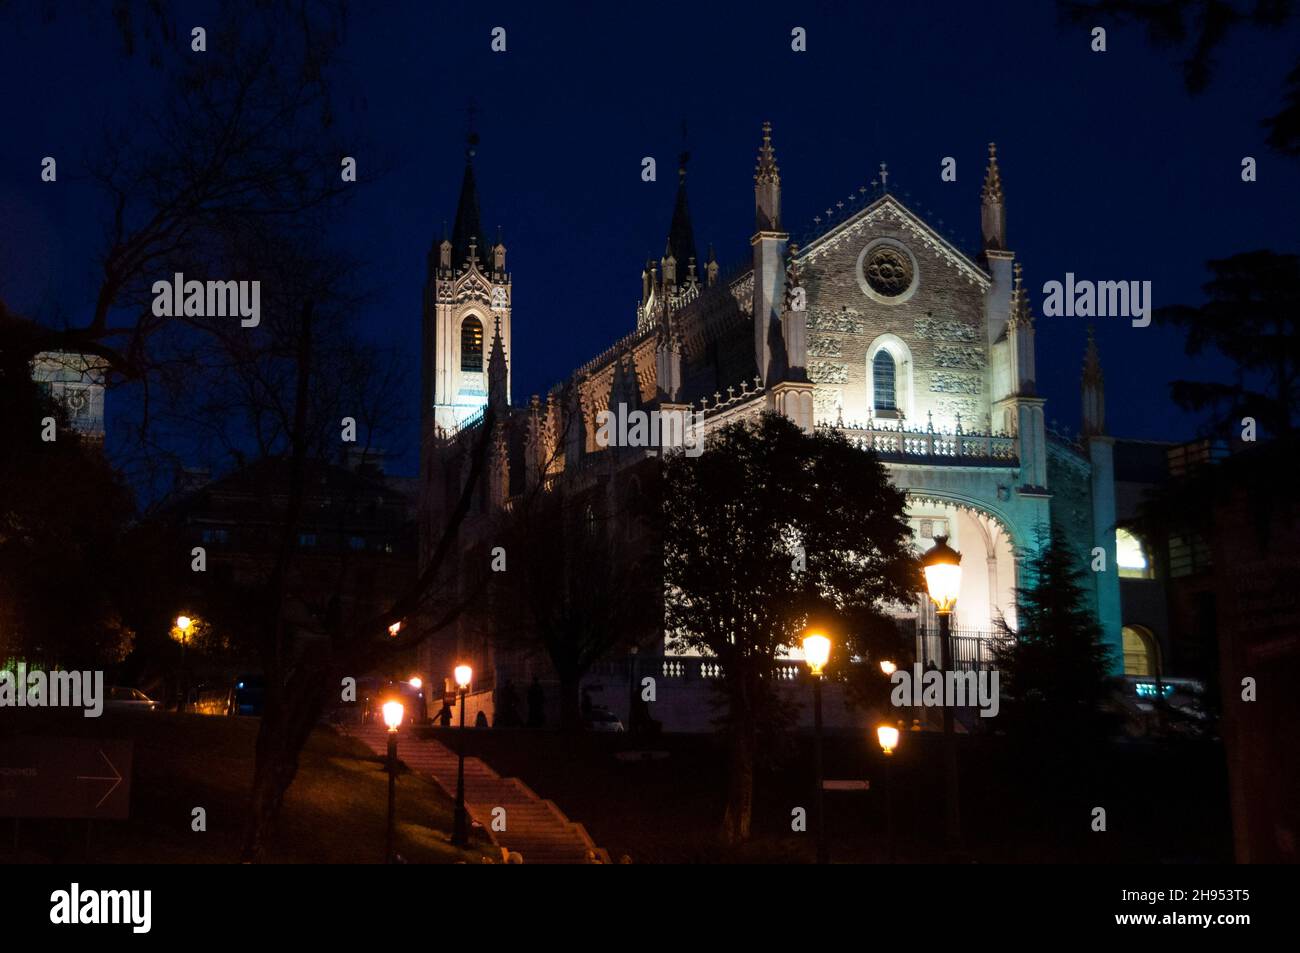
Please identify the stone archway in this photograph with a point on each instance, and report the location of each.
(991, 556)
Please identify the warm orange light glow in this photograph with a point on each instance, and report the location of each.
(888, 667)
(887, 735)
(183, 622)
(416, 682)
(464, 675)
(816, 651)
(942, 565)
(393, 712)
(395, 628)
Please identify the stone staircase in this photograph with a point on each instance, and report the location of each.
(534, 827)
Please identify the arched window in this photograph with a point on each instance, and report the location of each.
(1140, 651)
(884, 379)
(1131, 557)
(889, 379)
(471, 344)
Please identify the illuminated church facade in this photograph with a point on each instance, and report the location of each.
(877, 326)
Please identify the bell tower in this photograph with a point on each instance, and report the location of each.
(466, 300)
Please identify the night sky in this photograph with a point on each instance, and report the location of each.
(1111, 169)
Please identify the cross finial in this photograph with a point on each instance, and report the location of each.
(884, 176)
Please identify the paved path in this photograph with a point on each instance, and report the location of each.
(536, 828)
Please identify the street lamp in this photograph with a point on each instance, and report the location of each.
(887, 735)
(816, 652)
(460, 826)
(393, 712)
(942, 566)
(888, 667)
(183, 624)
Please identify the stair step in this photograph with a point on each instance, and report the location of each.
(534, 828)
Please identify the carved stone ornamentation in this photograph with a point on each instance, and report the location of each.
(958, 355)
(825, 347)
(934, 329)
(827, 372)
(819, 319)
(888, 271)
(828, 400)
(951, 383)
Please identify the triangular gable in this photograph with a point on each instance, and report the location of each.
(888, 208)
(472, 283)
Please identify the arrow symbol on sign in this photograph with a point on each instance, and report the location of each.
(116, 779)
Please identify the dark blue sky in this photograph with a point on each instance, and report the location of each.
(1111, 170)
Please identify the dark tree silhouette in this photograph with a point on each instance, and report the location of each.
(64, 518)
(1252, 317)
(1198, 29)
(233, 174)
(770, 529)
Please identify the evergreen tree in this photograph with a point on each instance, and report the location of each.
(1054, 666)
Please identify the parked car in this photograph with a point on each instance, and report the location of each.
(128, 699)
(601, 719)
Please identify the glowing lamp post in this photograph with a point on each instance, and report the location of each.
(816, 653)
(887, 735)
(460, 826)
(942, 566)
(888, 667)
(393, 713)
(183, 625)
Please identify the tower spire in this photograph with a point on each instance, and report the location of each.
(681, 236)
(993, 213)
(1093, 387)
(497, 370)
(767, 186)
(768, 245)
(467, 225)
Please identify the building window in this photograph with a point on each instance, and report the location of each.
(306, 539)
(1140, 652)
(356, 542)
(471, 345)
(884, 379)
(1131, 556)
(1188, 555)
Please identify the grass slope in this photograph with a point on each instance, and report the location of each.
(335, 812)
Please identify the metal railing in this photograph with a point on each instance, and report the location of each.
(972, 649)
